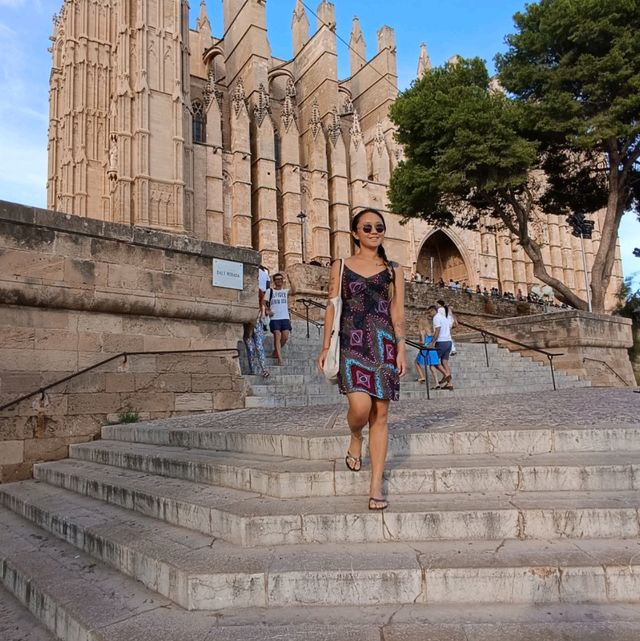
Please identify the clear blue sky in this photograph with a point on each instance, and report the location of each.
(466, 27)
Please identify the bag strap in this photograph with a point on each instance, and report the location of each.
(340, 280)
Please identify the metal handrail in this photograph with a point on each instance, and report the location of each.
(308, 302)
(317, 324)
(123, 355)
(597, 360)
(485, 333)
(421, 349)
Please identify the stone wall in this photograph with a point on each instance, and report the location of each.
(594, 346)
(141, 387)
(75, 291)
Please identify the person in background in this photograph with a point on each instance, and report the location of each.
(277, 300)
(253, 336)
(447, 311)
(441, 340)
(428, 358)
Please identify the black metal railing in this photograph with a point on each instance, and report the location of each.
(124, 356)
(613, 371)
(424, 351)
(310, 321)
(550, 355)
(308, 303)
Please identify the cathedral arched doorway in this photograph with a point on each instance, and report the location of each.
(440, 258)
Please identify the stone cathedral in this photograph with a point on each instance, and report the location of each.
(157, 125)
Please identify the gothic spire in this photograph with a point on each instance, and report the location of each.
(202, 23)
(357, 47)
(299, 27)
(424, 63)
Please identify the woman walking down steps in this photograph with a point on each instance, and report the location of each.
(372, 343)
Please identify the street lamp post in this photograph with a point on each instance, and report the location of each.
(302, 217)
(582, 228)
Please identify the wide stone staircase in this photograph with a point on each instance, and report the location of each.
(509, 520)
(298, 383)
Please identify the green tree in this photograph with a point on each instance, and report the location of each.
(564, 137)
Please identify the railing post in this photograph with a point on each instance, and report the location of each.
(486, 350)
(426, 372)
(306, 307)
(553, 376)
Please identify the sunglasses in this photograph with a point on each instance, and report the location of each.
(367, 228)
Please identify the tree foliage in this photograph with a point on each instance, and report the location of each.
(563, 136)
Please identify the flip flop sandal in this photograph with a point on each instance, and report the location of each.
(374, 504)
(357, 462)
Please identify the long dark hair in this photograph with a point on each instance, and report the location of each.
(446, 307)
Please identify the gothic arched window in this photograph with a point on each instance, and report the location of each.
(199, 130)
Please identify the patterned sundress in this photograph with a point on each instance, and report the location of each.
(367, 339)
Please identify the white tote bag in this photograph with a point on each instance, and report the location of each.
(332, 361)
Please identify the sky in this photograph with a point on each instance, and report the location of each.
(464, 27)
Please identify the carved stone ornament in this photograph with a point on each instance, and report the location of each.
(290, 90)
(263, 106)
(238, 98)
(209, 89)
(356, 130)
(334, 129)
(379, 138)
(288, 112)
(316, 121)
(112, 171)
(347, 107)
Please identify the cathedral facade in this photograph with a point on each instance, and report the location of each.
(157, 125)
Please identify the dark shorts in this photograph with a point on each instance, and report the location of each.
(444, 349)
(283, 325)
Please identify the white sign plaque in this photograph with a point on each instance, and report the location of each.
(227, 274)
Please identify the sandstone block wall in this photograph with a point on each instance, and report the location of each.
(75, 291)
(143, 387)
(594, 346)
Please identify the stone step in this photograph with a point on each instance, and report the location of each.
(427, 435)
(280, 376)
(319, 387)
(271, 401)
(306, 365)
(16, 622)
(44, 572)
(274, 400)
(199, 573)
(297, 478)
(250, 519)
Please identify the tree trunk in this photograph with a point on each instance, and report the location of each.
(532, 249)
(605, 257)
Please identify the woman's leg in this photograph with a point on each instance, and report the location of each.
(258, 339)
(378, 445)
(250, 346)
(421, 374)
(357, 418)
